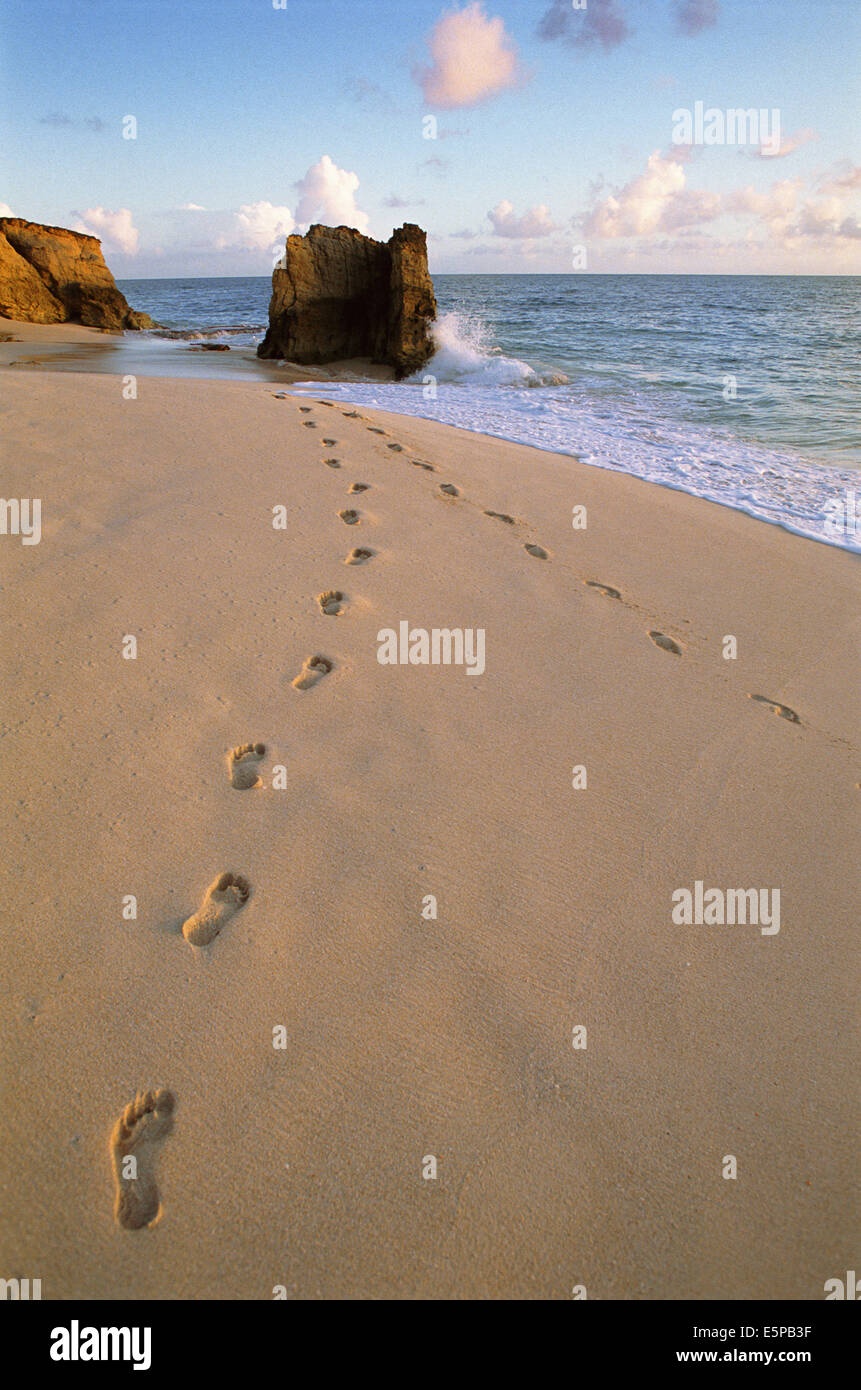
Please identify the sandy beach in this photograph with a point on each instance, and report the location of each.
(433, 908)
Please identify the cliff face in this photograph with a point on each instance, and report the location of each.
(52, 275)
(341, 294)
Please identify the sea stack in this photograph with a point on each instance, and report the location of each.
(53, 275)
(338, 294)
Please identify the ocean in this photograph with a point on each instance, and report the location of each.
(740, 389)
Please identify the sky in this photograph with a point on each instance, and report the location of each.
(587, 136)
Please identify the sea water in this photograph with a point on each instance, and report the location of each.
(740, 389)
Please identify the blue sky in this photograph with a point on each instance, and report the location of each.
(554, 130)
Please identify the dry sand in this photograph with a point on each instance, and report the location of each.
(407, 1037)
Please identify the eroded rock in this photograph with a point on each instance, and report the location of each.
(338, 294)
(53, 275)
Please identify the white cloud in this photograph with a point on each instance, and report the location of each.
(787, 144)
(534, 223)
(472, 56)
(328, 194)
(655, 201)
(259, 227)
(192, 207)
(5, 210)
(114, 229)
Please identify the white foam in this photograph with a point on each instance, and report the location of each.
(463, 354)
(775, 486)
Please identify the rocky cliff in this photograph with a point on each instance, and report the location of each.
(52, 275)
(339, 294)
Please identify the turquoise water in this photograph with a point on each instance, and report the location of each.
(743, 389)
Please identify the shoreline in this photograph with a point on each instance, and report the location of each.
(836, 521)
(410, 1035)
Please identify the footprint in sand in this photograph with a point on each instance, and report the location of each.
(330, 443)
(332, 463)
(665, 643)
(314, 668)
(243, 761)
(502, 516)
(349, 517)
(352, 415)
(144, 1123)
(358, 556)
(309, 424)
(375, 429)
(330, 602)
(359, 487)
(398, 448)
(222, 900)
(777, 708)
(449, 489)
(602, 588)
(305, 409)
(537, 550)
(417, 463)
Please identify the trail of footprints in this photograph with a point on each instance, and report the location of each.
(148, 1119)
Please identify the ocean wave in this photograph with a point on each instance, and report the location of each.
(463, 355)
(193, 334)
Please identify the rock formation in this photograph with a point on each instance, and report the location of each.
(52, 275)
(339, 294)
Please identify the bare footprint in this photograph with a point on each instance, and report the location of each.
(537, 550)
(222, 900)
(243, 761)
(330, 443)
(665, 643)
(398, 448)
(309, 424)
(375, 429)
(306, 409)
(348, 516)
(418, 463)
(449, 489)
(358, 556)
(777, 708)
(332, 463)
(314, 668)
(352, 415)
(330, 602)
(145, 1121)
(359, 487)
(502, 516)
(602, 588)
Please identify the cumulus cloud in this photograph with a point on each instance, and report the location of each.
(534, 223)
(114, 229)
(692, 16)
(5, 210)
(261, 226)
(601, 22)
(843, 179)
(787, 144)
(472, 56)
(328, 194)
(655, 201)
(192, 207)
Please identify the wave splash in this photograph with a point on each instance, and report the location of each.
(464, 355)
